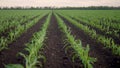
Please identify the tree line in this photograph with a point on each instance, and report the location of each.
(62, 8)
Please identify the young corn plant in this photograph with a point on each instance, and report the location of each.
(14, 66)
(3, 42)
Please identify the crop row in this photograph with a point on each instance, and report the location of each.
(102, 24)
(11, 19)
(15, 33)
(8, 25)
(33, 48)
(107, 31)
(107, 42)
(106, 22)
(81, 52)
(105, 18)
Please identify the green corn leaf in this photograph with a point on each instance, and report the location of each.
(14, 66)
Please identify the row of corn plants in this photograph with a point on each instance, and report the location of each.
(9, 25)
(81, 52)
(104, 21)
(10, 19)
(15, 33)
(107, 42)
(33, 48)
(106, 30)
(104, 18)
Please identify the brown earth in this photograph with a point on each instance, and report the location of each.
(54, 51)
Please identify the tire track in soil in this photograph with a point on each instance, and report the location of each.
(11, 55)
(53, 50)
(105, 59)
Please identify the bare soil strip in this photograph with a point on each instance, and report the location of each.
(105, 59)
(11, 55)
(54, 51)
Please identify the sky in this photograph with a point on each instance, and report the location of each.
(58, 3)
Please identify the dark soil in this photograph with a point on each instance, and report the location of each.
(11, 55)
(105, 59)
(54, 51)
